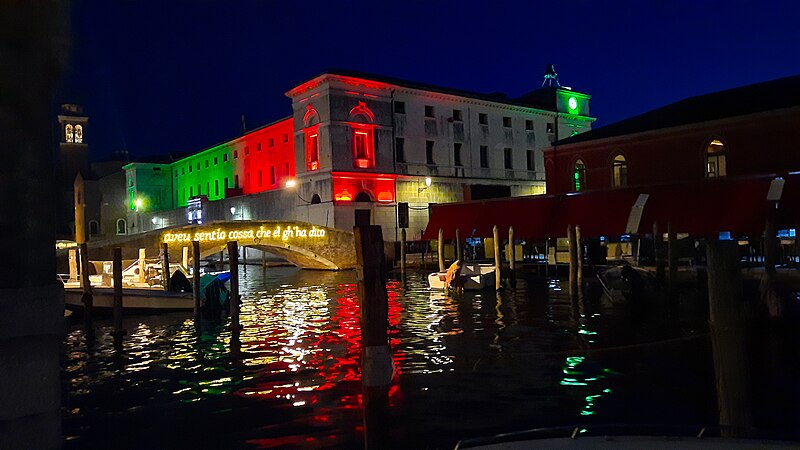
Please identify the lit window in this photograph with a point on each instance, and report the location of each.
(579, 175)
(619, 171)
(361, 151)
(312, 151)
(715, 159)
(69, 135)
(78, 134)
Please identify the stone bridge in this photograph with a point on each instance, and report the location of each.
(303, 244)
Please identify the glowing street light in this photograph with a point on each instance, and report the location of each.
(291, 183)
(138, 204)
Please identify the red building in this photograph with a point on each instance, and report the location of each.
(746, 131)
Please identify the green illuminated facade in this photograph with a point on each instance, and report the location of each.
(207, 173)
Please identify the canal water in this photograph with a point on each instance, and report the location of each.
(466, 366)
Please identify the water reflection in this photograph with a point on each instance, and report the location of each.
(471, 364)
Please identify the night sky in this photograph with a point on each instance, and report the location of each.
(161, 76)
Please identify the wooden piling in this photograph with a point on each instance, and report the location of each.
(440, 250)
(672, 256)
(573, 257)
(376, 358)
(512, 256)
(498, 265)
(86, 288)
(142, 265)
(403, 252)
(73, 264)
(263, 259)
(116, 268)
(165, 272)
(196, 278)
(547, 257)
(727, 318)
(185, 258)
(578, 260)
(233, 260)
(459, 249)
(244, 258)
(658, 251)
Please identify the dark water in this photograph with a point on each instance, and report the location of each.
(469, 366)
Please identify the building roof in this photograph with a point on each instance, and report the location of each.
(744, 100)
(544, 100)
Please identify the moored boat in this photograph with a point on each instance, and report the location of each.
(475, 276)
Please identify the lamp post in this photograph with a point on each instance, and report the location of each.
(427, 185)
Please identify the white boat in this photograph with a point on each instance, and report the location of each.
(133, 300)
(477, 277)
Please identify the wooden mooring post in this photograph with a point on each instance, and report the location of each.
(196, 279)
(233, 260)
(459, 249)
(658, 251)
(498, 264)
(377, 367)
(165, 272)
(578, 260)
(142, 265)
(512, 256)
(116, 270)
(727, 319)
(73, 264)
(403, 252)
(440, 250)
(573, 261)
(86, 287)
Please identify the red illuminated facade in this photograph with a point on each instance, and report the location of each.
(268, 157)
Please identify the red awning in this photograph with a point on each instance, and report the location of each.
(704, 209)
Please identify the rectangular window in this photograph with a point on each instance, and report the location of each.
(483, 119)
(429, 152)
(216, 188)
(457, 115)
(246, 150)
(271, 142)
(235, 154)
(531, 160)
(484, 157)
(260, 179)
(206, 163)
(400, 107)
(507, 122)
(457, 154)
(361, 145)
(199, 191)
(428, 111)
(190, 168)
(399, 150)
(285, 138)
(312, 152)
(198, 166)
(236, 181)
(191, 192)
(225, 156)
(258, 147)
(529, 125)
(508, 161)
(226, 183)
(216, 160)
(272, 175)
(551, 127)
(183, 170)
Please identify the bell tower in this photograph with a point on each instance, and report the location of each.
(73, 150)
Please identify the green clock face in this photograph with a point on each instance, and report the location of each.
(572, 103)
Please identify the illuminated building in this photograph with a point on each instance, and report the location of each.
(358, 145)
(740, 132)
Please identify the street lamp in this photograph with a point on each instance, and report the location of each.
(427, 185)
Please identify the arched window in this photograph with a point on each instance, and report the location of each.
(122, 226)
(68, 134)
(361, 120)
(94, 228)
(579, 176)
(78, 134)
(315, 199)
(715, 159)
(363, 197)
(619, 171)
(311, 132)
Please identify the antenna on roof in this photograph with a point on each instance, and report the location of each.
(550, 77)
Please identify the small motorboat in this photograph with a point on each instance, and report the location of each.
(476, 277)
(622, 283)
